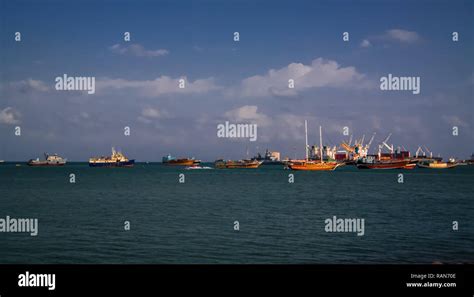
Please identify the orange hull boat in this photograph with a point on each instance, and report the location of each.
(315, 166)
(181, 162)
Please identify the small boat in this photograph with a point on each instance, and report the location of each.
(116, 160)
(197, 167)
(410, 166)
(437, 164)
(237, 164)
(50, 160)
(310, 164)
(169, 160)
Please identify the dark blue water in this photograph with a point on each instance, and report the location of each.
(194, 222)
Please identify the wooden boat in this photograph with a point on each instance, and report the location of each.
(437, 165)
(169, 160)
(311, 165)
(410, 166)
(314, 165)
(248, 164)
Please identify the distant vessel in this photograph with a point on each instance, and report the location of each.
(394, 159)
(306, 164)
(169, 160)
(435, 164)
(197, 167)
(237, 164)
(270, 158)
(421, 156)
(116, 160)
(49, 160)
(470, 161)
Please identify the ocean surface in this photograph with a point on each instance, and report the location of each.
(193, 222)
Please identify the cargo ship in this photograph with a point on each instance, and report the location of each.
(313, 165)
(169, 160)
(237, 164)
(116, 160)
(49, 160)
(394, 159)
(352, 153)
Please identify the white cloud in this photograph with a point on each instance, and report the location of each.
(28, 85)
(321, 73)
(154, 113)
(149, 114)
(365, 43)
(454, 120)
(403, 36)
(9, 116)
(248, 113)
(159, 86)
(392, 35)
(137, 50)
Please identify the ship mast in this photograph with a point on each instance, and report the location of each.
(321, 143)
(306, 139)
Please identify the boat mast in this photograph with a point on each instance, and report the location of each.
(306, 139)
(321, 143)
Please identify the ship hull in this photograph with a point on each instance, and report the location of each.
(129, 163)
(250, 166)
(181, 162)
(43, 164)
(386, 165)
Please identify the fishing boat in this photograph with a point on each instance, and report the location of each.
(49, 160)
(434, 164)
(246, 163)
(169, 160)
(116, 160)
(313, 165)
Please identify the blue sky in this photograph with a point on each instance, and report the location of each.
(405, 38)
